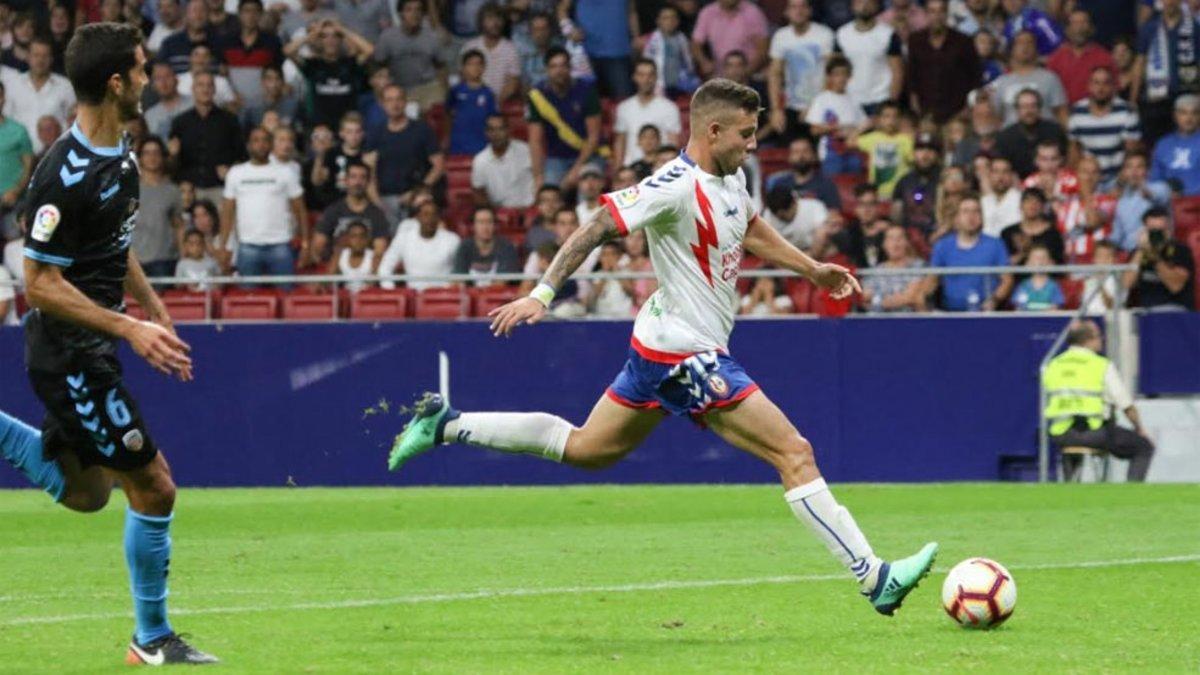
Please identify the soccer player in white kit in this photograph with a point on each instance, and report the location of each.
(698, 220)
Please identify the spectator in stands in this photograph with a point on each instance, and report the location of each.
(16, 160)
(1087, 216)
(987, 48)
(484, 253)
(905, 17)
(834, 116)
(1103, 126)
(875, 53)
(591, 186)
(671, 53)
(895, 292)
(177, 48)
(370, 103)
(318, 171)
(969, 247)
(943, 67)
(1022, 18)
(412, 52)
(638, 260)
(1001, 200)
(1056, 181)
(202, 216)
(502, 69)
(224, 95)
(16, 54)
(333, 67)
(355, 260)
(355, 207)
(157, 237)
(1104, 288)
(643, 108)
(625, 177)
(257, 194)
(245, 53)
(533, 49)
(196, 264)
(804, 177)
(1077, 59)
(277, 99)
(566, 222)
(564, 124)
(204, 141)
(735, 67)
(502, 173)
(283, 148)
(38, 92)
(295, 19)
(1038, 292)
(725, 26)
(889, 149)
(649, 140)
(767, 296)
(665, 154)
(170, 20)
(404, 152)
(952, 187)
(797, 72)
(369, 18)
(541, 227)
(1124, 59)
(170, 103)
(62, 29)
(1136, 196)
(608, 31)
(568, 303)
(1166, 273)
(469, 104)
(1167, 66)
(798, 220)
(860, 240)
(975, 16)
(422, 246)
(1177, 156)
(1019, 141)
(914, 200)
(1025, 74)
(224, 24)
(1035, 229)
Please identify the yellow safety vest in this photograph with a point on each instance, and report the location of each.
(1074, 384)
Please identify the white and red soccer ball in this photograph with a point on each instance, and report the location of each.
(979, 593)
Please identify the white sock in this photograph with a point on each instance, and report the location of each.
(814, 504)
(539, 434)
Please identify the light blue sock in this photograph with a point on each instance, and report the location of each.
(148, 554)
(21, 445)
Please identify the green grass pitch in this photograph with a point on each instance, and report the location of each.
(610, 579)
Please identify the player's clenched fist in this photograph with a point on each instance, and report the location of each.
(837, 279)
(524, 310)
(161, 349)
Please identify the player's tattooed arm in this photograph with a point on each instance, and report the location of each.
(578, 246)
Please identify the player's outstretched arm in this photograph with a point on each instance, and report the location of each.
(49, 292)
(763, 241)
(531, 308)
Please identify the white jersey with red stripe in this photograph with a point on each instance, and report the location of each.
(694, 224)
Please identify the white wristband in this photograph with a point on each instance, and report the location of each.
(543, 293)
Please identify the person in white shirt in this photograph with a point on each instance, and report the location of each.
(356, 260)
(698, 220)
(796, 75)
(170, 20)
(1109, 291)
(611, 298)
(201, 61)
(257, 197)
(8, 299)
(38, 92)
(14, 258)
(422, 246)
(1001, 197)
(502, 173)
(834, 116)
(644, 107)
(591, 184)
(875, 51)
(798, 220)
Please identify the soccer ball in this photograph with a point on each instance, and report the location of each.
(979, 593)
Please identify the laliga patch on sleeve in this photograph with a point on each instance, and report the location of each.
(627, 197)
(45, 222)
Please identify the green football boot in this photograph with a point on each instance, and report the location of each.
(897, 579)
(423, 432)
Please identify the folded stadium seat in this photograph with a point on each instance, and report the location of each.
(1185, 213)
(459, 164)
(801, 292)
(824, 304)
(186, 306)
(510, 223)
(381, 304)
(485, 299)
(1072, 290)
(306, 306)
(250, 305)
(441, 303)
(514, 113)
(772, 160)
(133, 309)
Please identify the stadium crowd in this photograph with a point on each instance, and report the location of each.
(362, 137)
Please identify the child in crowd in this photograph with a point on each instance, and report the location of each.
(1105, 253)
(834, 116)
(649, 140)
(611, 298)
(356, 260)
(1038, 292)
(668, 45)
(469, 103)
(889, 150)
(195, 263)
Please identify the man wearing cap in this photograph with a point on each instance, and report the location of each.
(914, 200)
(591, 186)
(1177, 156)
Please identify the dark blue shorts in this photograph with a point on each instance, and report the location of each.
(643, 383)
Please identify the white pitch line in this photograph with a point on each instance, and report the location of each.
(563, 590)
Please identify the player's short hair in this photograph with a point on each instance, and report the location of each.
(472, 54)
(719, 97)
(96, 53)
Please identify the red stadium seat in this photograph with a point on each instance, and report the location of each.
(1185, 212)
(1072, 290)
(308, 307)
(514, 113)
(439, 121)
(242, 305)
(186, 306)
(133, 309)
(378, 304)
(801, 292)
(484, 300)
(772, 160)
(441, 303)
(845, 184)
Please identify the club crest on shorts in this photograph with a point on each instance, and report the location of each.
(133, 440)
(45, 222)
(718, 385)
